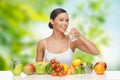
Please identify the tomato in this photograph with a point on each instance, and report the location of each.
(54, 73)
(64, 73)
(57, 65)
(62, 67)
(60, 74)
(52, 61)
(58, 69)
(53, 66)
(57, 62)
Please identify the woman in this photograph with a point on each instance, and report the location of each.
(58, 45)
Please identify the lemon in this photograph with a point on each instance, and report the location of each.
(76, 62)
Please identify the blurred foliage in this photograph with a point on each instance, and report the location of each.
(2, 63)
(16, 37)
(94, 11)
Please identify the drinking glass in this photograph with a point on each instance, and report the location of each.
(72, 38)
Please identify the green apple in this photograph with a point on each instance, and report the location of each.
(17, 69)
(41, 68)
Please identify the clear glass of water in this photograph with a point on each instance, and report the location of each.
(72, 38)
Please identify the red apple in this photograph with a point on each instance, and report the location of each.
(100, 67)
(29, 69)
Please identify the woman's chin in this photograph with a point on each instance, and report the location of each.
(63, 31)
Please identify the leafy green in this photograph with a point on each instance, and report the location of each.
(48, 68)
(79, 70)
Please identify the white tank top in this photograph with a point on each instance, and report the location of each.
(64, 57)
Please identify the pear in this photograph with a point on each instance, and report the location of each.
(16, 68)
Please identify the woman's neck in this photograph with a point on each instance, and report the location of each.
(58, 35)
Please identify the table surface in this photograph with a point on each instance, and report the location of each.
(108, 75)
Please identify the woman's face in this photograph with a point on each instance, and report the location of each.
(61, 22)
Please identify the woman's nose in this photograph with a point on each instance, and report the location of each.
(65, 23)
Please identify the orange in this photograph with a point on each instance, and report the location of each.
(100, 67)
(71, 69)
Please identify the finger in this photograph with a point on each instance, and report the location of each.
(72, 32)
(73, 29)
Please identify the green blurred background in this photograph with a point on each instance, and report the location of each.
(24, 22)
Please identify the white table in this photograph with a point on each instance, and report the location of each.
(108, 75)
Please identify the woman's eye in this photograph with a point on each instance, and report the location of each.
(61, 19)
(67, 20)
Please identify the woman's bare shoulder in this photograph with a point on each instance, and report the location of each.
(41, 44)
(42, 41)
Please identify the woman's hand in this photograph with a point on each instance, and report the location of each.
(75, 33)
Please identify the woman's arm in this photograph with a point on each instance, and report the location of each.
(87, 46)
(83, 44)
(40, 51)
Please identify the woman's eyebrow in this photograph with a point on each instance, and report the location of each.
(63, 18)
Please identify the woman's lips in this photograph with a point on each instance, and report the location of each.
(64, 28)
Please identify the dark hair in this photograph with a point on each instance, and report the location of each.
(54, 14)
